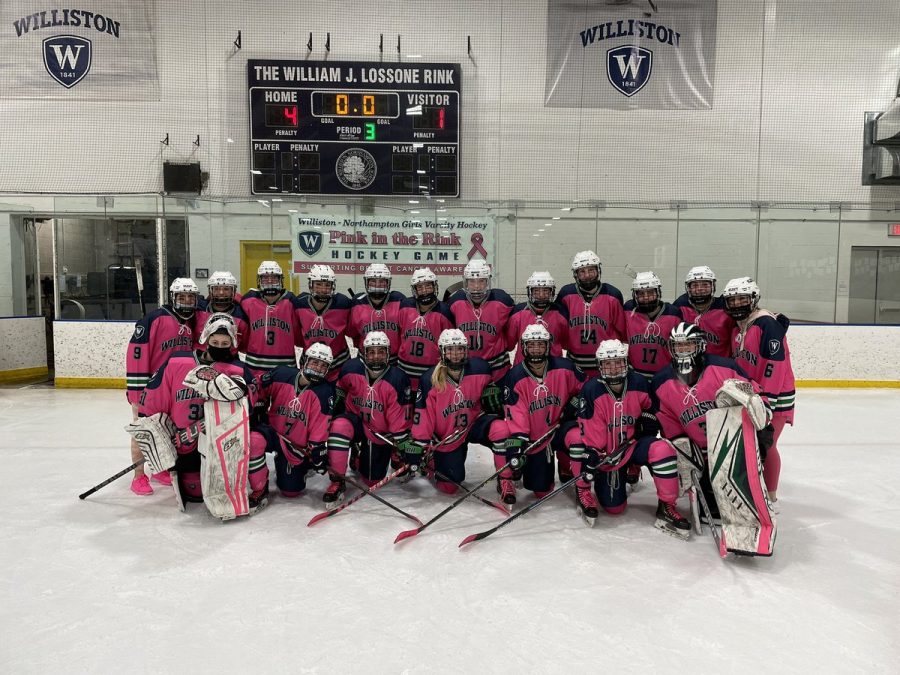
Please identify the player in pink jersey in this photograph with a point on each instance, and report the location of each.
(377, 309)
(481, 313)
(449, 402)
(166, 392)
(324, 314)
(540, 392)
(648, 323)
(157, 336)
(223, 298)
(299, 411)
(372, 396)
(761, 349)
(685, 391)
(699, 305)
(618, 429)
(274, 328)
(539, 308)
(422, 319)
(595, 311)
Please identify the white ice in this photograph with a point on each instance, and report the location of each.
(120, 583)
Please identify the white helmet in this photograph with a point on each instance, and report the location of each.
(582, 260)
(270, 268)
(215, 323)
(700, 273)
(540, 280)
(377, 271)
(646, 281)
(477, 269)
(316, 372)
(612, 361)
(226, 280)
(424, 275)
(376, 339)
(738, 288)
(686, 343)
(536, 332)
(321, 273)
(183, 286)
(222, 279)
(453, 337)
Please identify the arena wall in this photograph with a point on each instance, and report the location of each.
(23, 355)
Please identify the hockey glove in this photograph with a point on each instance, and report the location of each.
(492, 399)
(590, 462)
(647, 425)
(515, 454)
(765, 439)
(413, 452)
(318, 456)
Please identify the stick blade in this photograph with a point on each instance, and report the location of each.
(319, 516)
(471, 538)
(406, 534)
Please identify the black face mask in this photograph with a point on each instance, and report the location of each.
(429, 299)
(220, 353)
(588, 285)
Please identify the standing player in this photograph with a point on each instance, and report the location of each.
(299, 410)
(324, 313)
(274, 328)
(372, 396)
(422, 319)
(223, 298)
(618, 429)
(699, 305)
(449, 402)
(481, 313)
(541, 392)
(378, 309)
(648, 323)
(157, 336)
(595, 311)
(539, 308)
(761, 349)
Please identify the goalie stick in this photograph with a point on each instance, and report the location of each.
(111, 479)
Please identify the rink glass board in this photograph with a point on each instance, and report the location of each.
(354, 128)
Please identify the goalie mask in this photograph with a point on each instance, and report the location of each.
(376, 351)
(454, 348)
(686, 344)
(321, 283)
(220, 337)
(270, 278)
(741, 298)
(540, 288)
(612, 362)
(586, 270)
(477, 280)
(183, 295)
(535, 343)
(316, 362)
(222, 288)
(700, 285)
(646, 291)
(424, 285)
(377, 280)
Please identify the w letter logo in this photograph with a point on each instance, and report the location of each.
(67, 58)
(628, 68)
(310, 242)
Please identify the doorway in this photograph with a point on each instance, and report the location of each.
(254, 252)
(875, 285)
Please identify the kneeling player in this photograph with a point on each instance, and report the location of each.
(541, 393)
(618, 430)
(299, 410)
(182, 389)
(449, 412)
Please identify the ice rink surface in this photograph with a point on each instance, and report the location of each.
(125, 584)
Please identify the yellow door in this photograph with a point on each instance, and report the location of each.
(254, 252)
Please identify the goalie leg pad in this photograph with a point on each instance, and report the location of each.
(153, 436)
(738, 392)
(737, 482)
(225, 458)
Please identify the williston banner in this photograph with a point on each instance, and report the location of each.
(52, 50)
(404, 244)
(657, 54)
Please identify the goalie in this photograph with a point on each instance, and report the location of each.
(708, 403)
(195, 407)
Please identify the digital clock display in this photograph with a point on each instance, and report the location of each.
(354, 104)
(280, 115)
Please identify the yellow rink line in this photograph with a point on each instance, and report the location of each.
(23, 375)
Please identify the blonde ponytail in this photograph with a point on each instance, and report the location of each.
(439, 377)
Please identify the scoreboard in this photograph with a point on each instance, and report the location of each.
(339, 128)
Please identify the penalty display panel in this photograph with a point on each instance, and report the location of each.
(354, 128)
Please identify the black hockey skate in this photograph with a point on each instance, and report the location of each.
(334, 494)
(507, 491)
(671, 522)
(586, 504)
(257, 501)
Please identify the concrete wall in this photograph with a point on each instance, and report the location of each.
(23, 348)
(91, 353)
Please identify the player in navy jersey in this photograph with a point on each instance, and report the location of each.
(376, 309)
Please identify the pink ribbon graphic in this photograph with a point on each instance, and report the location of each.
(476, 240)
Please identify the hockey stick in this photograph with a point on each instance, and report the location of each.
(697, 463)
(488, 533)
(471, 493)
(365, 491)
(111, 479)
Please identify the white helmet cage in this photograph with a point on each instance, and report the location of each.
(453, 337)
(372, 340)
(536, 332)
(540, 280)
(321, 352)
(741, 287)
(700, 273)
(183, 286)
(609, 351)
(645, 281)
(269, 268)
(477, 269)
(377, 271)
(686, 334)
(321, 273)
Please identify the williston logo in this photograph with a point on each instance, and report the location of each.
(67, 58)
(310, 242)
(628, 68)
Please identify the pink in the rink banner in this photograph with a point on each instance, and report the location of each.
(404, 244)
